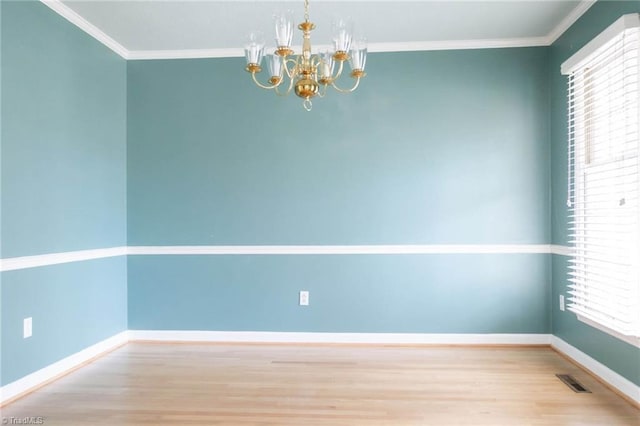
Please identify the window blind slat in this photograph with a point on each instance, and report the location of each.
(604, 184)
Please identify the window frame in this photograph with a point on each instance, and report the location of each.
(579, 63)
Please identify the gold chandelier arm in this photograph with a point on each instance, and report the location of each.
(322, 91)
(273, 86)
(279, 93)
(339, 73)
(315, 61)
(355, 86)
(290, 72)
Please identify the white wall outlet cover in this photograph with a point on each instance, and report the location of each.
(27, 328)
(562, 302)
(304, 298)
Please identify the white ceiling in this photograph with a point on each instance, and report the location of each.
(165, 28)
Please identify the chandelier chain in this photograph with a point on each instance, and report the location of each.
(306, 10)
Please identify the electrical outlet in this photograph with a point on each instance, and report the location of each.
(562, 302)
(27, 328)
(304, 298)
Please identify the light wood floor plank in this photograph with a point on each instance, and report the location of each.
(203, 384)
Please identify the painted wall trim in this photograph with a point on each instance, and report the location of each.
(569, 20)
(458, 44)
(112, 44)
(342, 249)
(621, 384)
(47, 374)
(561, 250)
(26, 262)
(337, 338)
(185, 54)
(413, 46)
(86, 26)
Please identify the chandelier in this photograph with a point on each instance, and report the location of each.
(306, 74)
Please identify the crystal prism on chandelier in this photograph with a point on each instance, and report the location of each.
(306, 74)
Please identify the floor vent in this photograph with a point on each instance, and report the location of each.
(572, 383)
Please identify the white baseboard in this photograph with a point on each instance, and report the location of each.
(38, 378)
(339, 338)
(623, 385)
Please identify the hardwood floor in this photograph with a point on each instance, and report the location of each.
(210, 384)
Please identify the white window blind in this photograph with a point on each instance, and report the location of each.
(604, 178)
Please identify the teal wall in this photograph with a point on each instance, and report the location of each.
(434, 148)
(443, 147)
(617, 355)
(1, 188)
(352, 293)
(73, 306)
(64, 135)
(63, 183)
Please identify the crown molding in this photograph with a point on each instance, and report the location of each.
(457, 44)
(568, 21)
(414, 46)
(185, 54)
(71, 16)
